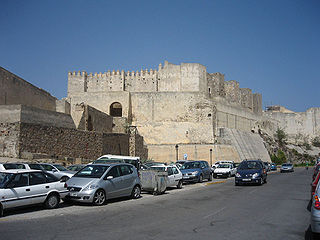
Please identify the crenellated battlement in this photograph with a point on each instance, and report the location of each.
(186, 77)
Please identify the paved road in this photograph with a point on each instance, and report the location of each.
(276, 210)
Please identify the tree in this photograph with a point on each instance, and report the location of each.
(316, 142)
(281, 136)
(280, 158)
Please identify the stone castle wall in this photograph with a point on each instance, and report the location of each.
(70, 142)
(300, 126)
(90, 119)
(15, 90)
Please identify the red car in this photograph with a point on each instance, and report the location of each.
(315, 171)
(314, 184)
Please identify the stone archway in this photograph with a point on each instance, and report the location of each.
(116, 109)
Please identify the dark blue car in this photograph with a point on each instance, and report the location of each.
(251, 171)
(196, 171)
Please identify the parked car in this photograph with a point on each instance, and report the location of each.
(267, 166)
(314, 184)
(96, 183)
(58, 170)
(20, 187)
(7, 166)
(315, 211)
(251, 171)
(287, 167)
(273, 167)
(224, 170)
(174, 175)
(315, 171)
(76, 167)
(215, 165)
(196, 171)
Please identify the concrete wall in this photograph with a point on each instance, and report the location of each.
(15, 90)
(248, 145)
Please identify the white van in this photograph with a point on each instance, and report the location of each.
(135, 161)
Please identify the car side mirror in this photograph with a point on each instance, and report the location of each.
(54, 170)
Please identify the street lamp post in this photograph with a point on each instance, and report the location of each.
(210, 157)
(177, 152)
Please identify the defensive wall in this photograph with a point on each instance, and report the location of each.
(299, 126)
(25, 129)
(15, 90)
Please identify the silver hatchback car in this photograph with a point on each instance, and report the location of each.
(20, 187)
(96, 183)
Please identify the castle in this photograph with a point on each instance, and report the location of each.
(173, 112)
(178, 109)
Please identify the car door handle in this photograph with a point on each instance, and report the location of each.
(28, 189)
(47, 186)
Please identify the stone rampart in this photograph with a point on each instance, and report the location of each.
(27, 114)
(70, 142)
(90, 119)
(15, 90)
(300, 126)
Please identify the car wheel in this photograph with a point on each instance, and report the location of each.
(265, 180)
(179, 186)
(210, 177)
(52, 201)
(136, 192)
(260, 181)
(229, 175)
(99, 198)
(214, 175)
(200, 180)
(236, 184)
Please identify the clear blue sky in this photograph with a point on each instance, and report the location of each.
(270, 46)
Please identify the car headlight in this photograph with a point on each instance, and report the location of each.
(238, 175)
(255, 175)
(195, 173)
(91, 187)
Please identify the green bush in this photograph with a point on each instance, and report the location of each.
(280, 158)
(281, 136)
(316, 142)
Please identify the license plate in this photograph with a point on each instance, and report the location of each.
(219, 174)
(246, 180)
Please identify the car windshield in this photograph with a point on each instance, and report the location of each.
(92, 171)
(190, 165)
(287, 165)
(60, 168)
(224, 166)
(4, 178)
(105, 160)
(75, 167)
(249, 165)
(11, 166)
(158, 168)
